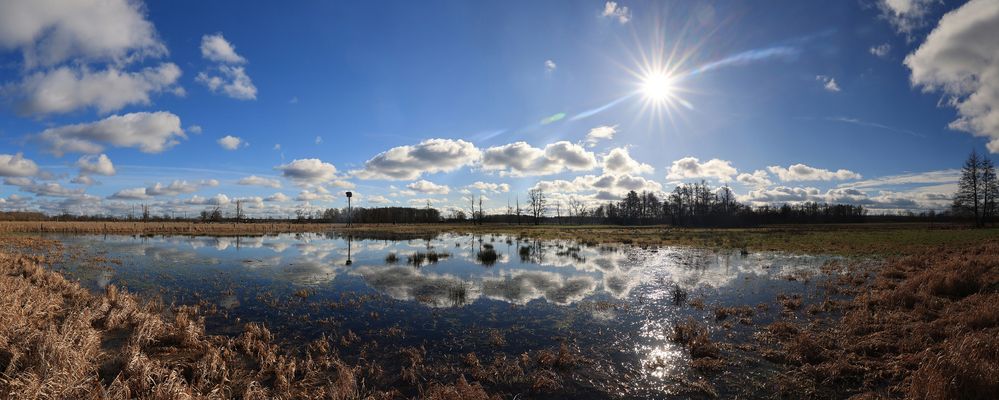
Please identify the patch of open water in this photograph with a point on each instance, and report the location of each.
(617, 304)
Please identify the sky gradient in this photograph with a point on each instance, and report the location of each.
(184, 105)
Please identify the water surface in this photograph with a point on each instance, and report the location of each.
(615, 304)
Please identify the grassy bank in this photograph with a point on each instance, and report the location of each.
(926, 328)
(845, 239)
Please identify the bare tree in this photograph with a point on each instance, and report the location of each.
(538, 203)
(990, 189)
(968, 198)
(482, 215)
(239, 211)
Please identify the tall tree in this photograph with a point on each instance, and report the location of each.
(990, 189)
(968, 199)
(538, 203)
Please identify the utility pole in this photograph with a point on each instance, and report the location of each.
(350, 214)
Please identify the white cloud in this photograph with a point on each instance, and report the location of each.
(619, 12)
(317, 194)
(602, 187)
(254, 180)
(424, 186)
(175, 188)
(828, 83)
(960, 58)
(50, 189)
(216, 200)
(599, 133)
(550, 66)
(130, 194)
(17, 166)
(52, 31)
(230, 142)
(66, 89)
(521, 159)
(377, 199)
(618, 161)
(758, 178)
(691, 167)
(309, 171)
(277, 197)
(216, 48)
(150, 132)
(319, 139)
(84, 180)
(802, 172)
(99, 165)
(195, 129)
(410, 162)
(880, 50)
(490, 187)
(906, 16)
(227, 76)
(230, 80)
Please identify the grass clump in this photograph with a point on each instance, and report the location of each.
(926, 327)
(487, 256)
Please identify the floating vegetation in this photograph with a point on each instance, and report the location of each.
(391, 258)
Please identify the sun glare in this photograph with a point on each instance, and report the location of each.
(657, 87)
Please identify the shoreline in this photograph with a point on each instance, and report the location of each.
(874, 239)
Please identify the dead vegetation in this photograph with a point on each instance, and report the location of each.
(926, 328)
(57, 340)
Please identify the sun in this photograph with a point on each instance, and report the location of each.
(657, 87)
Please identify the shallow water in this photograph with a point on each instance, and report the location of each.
(616, 304)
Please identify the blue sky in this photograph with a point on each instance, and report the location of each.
(187, 104)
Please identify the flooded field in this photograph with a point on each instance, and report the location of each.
(615, 320)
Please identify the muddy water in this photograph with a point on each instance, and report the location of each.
(615, 304)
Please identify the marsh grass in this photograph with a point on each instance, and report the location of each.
(487, 256)
(926, 327)
(57, 340)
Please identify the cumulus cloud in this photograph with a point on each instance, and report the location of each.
(411, 162)
(906, 16)
(521, 159)
(216, 200)
(309, 171)
(66, 89)
(490, 187)
(15, 165)
(277, 197)
(230, 142)
(619, 12)
(424, 186)
(758, 178)
(550, 66)
(175, 188)
(150, 132)
(601, 187)
(802, 172)
(98, 165)
(618, 161)
(828, 83)
(599, 133)
(49, 32)
(934, 197)
(254, 180)
(691, 168)
(229, 80)
(960, 58)
(50, 189)
(216, 48)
